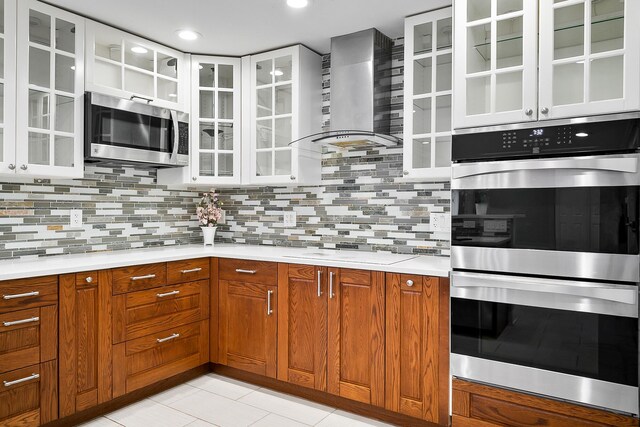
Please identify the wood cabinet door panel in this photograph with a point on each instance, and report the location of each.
(21, 294)
(247, 271)
(189, 270)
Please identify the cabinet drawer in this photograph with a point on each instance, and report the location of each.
(28, 293)
(187, 270)
(87, 278)
(238, 270)
(27, 337)
(146, 312)
(139, 277)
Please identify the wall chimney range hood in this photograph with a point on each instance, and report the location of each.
(360, 93)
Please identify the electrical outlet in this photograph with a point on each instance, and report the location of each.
(289, 219)
(75, 218)
(440, 222)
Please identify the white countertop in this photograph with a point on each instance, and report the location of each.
(375, 261)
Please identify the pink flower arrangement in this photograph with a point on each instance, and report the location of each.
(208, 210)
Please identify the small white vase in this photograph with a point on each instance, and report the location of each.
(481, 208)
(209, 234)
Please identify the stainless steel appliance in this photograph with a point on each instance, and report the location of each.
(122, 130)
(545, 244)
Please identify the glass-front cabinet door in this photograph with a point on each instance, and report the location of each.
(589, 57)
(7, 85)
(496, 62)
(427, 95)
(215, 120)
(50, 88)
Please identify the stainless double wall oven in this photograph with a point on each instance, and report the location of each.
(545, 236)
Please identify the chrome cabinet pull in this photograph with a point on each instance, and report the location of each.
(149, 100)
(409, 283)
(331, 295)
(12, 167)
(88, 279)
(148, 276)
(24, 167)
(544, 110)
(239, 270)
(167, 294)
(28, 294)
(528, 112)
(192, 270)
(21, 380)
(269, 310)
(20, 322)
(319, 285)
(169, 338)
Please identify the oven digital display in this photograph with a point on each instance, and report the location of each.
(537, 132)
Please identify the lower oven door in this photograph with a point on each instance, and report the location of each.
(570, 340)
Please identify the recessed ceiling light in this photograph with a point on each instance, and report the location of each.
(297, 4)
(276, 73)
(139, 49)
(582, 134)
(188, 35)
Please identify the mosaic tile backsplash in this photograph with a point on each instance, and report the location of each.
(362, 204)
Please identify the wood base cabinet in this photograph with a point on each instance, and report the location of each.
(477, 405)
(29, 396)
(417, 347)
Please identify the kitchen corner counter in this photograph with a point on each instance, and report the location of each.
(374, 261)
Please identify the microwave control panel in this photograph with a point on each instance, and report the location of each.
(183, 138)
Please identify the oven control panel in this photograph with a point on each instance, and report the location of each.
(548, 141)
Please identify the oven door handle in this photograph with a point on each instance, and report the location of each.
(608, 164)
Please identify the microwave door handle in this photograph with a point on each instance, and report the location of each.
(610, 164)
(176, 137)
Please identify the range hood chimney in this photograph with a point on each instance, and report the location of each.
(360, 92)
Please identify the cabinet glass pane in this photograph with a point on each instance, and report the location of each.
(207, 73)
(443, 152)
(283, 162)
(508, 6)
(207, 106)
(421, 153)
(167, 65)
(283, 131)
(1, 145)
(568, 35)
(509, 91)
(263, 72)
(568, 83)
(607, 25)
(606, 78)
(263, 163)
(138, 56)
(264, 133)
(422, 70)
(107, 74)
(1, 26)
(509, 46)
(64, 113)
(478, 92)
(1, 104)
(225, 164)
(38, 149)
(207, 136)
(39, 67)
(283, 69)
(108, 46)
(167, 90)
(478, 9)
(225, 76)
(1, 58)
(63, 151)
(423, 38)
(39, 28)
(225, 136)
(65, 73)
(421, 116)
(137, 82)
(479, 49)
(284, 99)
(207, 164)
(38, 109)
(264, 105)
(65, 36)
(444, 35)
(225, 105)
(443, 72)
(443, 113)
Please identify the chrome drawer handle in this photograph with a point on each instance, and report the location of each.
(169, 338)
(148, 276)
(269, 310)
(319, 283)
(167, 294)
(331, 294)
(409, 283)
(28, 294)
(192, 270)
(89, 279)
(20, 322)
(21, 380)
(239, 270)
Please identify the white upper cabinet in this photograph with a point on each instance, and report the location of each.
(7, 86)
(126, 66)
(589, 57)
(495, 77)
(283, 104)
(427, 95)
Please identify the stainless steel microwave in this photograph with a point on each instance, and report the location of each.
(126, 131)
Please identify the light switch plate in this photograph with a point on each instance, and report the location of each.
(289, 219)
(75, 218)
(440, 222)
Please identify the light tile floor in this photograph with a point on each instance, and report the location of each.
(213, 400)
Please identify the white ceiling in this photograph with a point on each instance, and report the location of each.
(240, 27)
